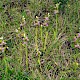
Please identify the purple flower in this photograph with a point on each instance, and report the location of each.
(46, 18)
(2, 49)
(78, 35)
(2, 43)
(45, 24)
(25, 43)
(77, 46)
(37, 23)
(56, 11)
(26, 38)
(75, 39)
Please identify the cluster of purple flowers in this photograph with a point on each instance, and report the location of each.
(44, 23)
(25, 40)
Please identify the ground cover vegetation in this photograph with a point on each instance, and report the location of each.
(39, 39)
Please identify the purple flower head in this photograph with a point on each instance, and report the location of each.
(75, 39)
(37, 23)
(56, 11)
(25, 43)
(46, 18)
(2, 43)
(45, 24)
(78, 35)
(77, 46)
(2, 49)
(26, 38)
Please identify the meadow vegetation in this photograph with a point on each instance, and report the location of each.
(39, 39)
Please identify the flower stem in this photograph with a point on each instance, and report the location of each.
(45, 40)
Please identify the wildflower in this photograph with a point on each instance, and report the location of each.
(24, 43)
(56, 11)
(26, 39)
(77, 63)
(37, 23)
(57, 5)
(48, 14)
(78, 36)
(2, 49)
(45, 24)
(46, 18)
(69, 5)
(22, 23)
(1, 38)
(77, 46)
(75, 39)
(2, 43)
(23, 19)
(3, 46)
(16, 30)
(24, 34)
(37, 17)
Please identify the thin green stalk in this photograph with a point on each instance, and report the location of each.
(26, 50)
(6, 67)
(38, 52)
(45, 40)
(41, 32)
(20, 53)
(36, 38)
(56, 24)
(39, 60)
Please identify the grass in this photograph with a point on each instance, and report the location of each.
(40, 40)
